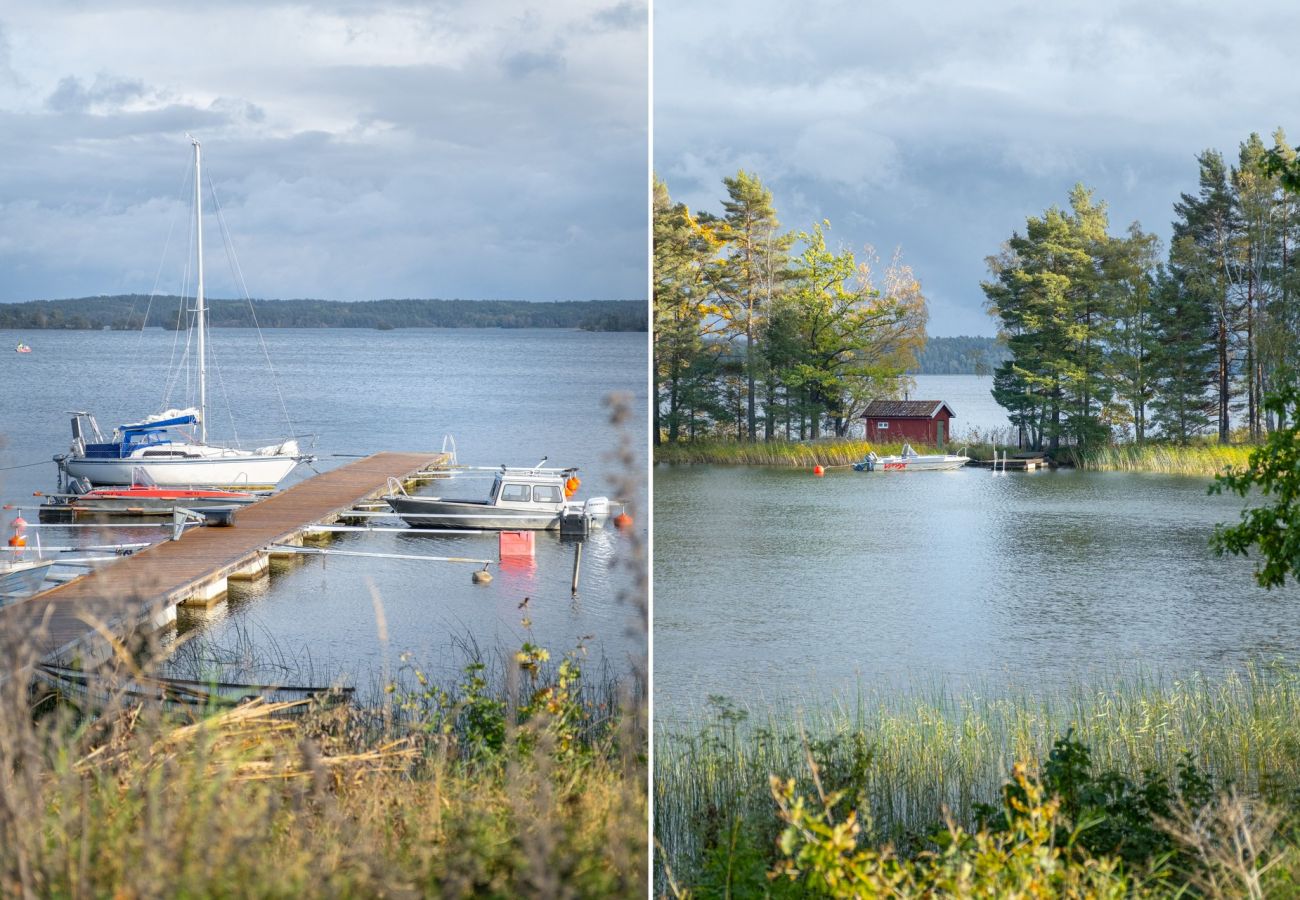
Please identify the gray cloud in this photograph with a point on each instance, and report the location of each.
(940, 126)
(106, 93)
(626, 16)
(525, 63)
(358, 150)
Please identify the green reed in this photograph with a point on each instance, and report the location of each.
(1169, 459)
(909, 757)
(792, 454)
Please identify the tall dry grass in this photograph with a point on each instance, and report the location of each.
(469, 789)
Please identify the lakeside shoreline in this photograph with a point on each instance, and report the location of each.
(1167, 459)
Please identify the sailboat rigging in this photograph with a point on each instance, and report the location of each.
(164, 447)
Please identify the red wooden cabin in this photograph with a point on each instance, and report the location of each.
(923, 421)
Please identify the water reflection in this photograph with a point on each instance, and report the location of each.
(769, 583)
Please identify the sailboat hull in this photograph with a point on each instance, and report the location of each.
(245, 472)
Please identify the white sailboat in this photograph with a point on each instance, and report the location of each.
(172, 447)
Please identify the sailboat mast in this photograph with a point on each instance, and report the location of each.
(199, 309)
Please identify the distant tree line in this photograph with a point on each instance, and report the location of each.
(762, 334)
(963, 355)
(130, 311)
(1111, 338)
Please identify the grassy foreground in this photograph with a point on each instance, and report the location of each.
(445, 792)
(1141, 796)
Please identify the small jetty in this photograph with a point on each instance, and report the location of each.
(1021, 462)
(81, 620)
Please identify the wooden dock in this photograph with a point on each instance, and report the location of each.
(142, 591)
(1012, 464)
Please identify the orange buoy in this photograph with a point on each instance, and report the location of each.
(19, 526)
(622, 521)
(818, 470)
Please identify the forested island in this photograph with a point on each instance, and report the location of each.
(961, 355)
(133, 311)
(1105, 339)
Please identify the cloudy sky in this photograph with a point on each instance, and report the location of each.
(360, 150)
(938, 127)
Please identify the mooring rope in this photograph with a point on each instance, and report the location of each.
(24, 465)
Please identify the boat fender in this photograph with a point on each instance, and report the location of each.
(571, 486)
(622, 521)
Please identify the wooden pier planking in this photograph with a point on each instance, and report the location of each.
(148, 585)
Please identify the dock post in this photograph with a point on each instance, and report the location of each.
(577, 564)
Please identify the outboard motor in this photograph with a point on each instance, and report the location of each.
(597, 510)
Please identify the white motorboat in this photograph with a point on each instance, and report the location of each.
(520, 499)
(21, 577)
(911, 461)
(172, 447)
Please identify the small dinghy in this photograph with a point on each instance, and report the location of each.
(141, 498)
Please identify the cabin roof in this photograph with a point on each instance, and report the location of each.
(906, 409)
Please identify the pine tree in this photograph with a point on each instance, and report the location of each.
(1185, 359)
(1129, 271)
(749, 274)
(682, 248)
(1053, 307)
(1204, 237)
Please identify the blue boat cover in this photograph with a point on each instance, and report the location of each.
(129, 431)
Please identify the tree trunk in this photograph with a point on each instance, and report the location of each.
(751, 417)
(1252, 410)
(769, 412)
(1222, 346)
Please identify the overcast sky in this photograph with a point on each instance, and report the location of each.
(360, 150)
(938, 127)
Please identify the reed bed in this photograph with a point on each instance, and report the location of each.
(790, 454)
(911, 757)
(1169, 459)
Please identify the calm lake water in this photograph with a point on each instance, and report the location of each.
(506, 396)
(774, 586)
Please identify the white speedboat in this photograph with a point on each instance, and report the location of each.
(519, 500)
(172, 447)
(911, 461)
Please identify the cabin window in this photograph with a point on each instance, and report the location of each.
(546, 493)
(167, 453)
(882, 425)
(516, 493)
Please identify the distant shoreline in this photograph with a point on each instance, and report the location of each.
(131, 312)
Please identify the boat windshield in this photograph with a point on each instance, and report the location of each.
(546, 493)
(516, 493)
